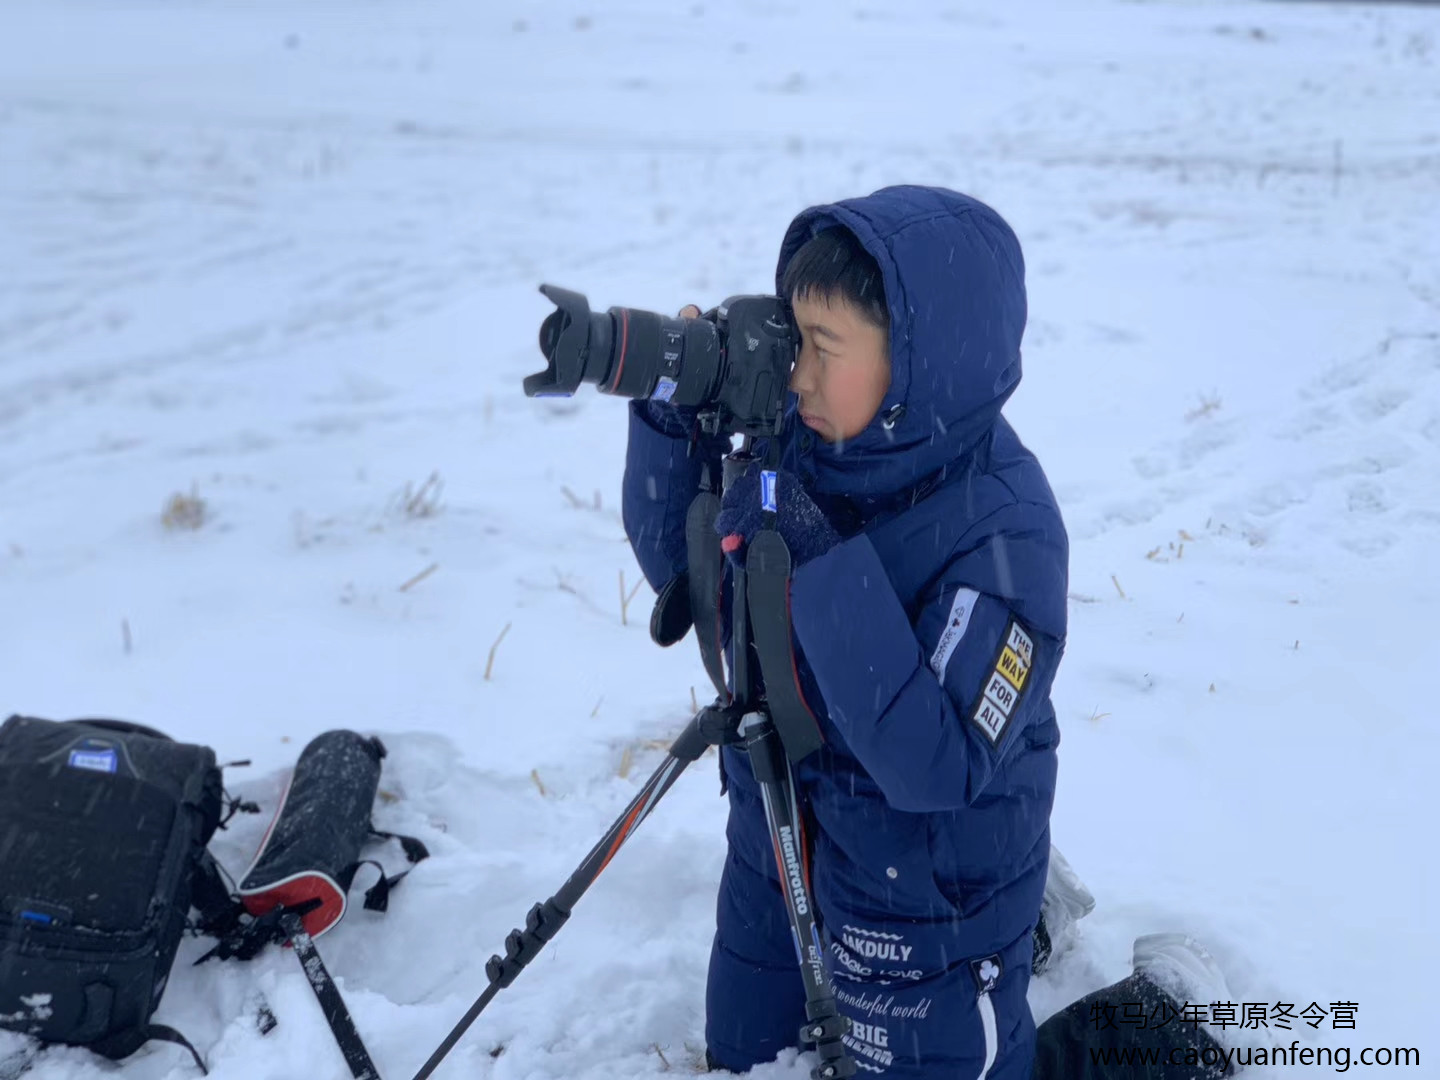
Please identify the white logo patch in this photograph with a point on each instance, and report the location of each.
(961, 608)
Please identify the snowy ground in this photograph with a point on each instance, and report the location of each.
(284, 255)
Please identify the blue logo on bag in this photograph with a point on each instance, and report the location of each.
(767, 489)
(96, 760)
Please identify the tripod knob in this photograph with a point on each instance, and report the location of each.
(826, 1028)
(835, 1069)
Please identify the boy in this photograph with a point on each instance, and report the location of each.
(928, 602)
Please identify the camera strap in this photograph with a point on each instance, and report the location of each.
(767, 573)
(706, 572)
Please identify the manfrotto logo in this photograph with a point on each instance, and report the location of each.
(792, 870)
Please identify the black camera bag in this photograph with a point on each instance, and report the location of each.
(103, 827)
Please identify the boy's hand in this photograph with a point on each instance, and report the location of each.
(801, 524)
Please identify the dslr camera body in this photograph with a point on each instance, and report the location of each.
(732, 364)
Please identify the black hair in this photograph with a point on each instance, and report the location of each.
(833, 264)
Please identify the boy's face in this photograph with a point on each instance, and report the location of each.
(843, 370)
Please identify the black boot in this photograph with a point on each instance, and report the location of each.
(1092, 1040)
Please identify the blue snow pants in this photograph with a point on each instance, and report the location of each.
(919, 1009)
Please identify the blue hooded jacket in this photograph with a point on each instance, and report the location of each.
(928, 639)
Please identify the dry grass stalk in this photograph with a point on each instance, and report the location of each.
(1209, 403)
(577, 503)
(490, 663)
(1118, 589)
(627, 759)
(421, 576)
(185, 511)
(625, 600)
(424, 501)
(535, 775)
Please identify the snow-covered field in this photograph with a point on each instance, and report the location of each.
(284, 257)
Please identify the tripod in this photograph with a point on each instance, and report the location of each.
(774, 732)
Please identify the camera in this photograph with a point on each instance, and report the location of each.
(732, 364)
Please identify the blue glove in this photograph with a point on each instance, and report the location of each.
(677, 421)
(801, 524)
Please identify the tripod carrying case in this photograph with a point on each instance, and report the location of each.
(311, 853)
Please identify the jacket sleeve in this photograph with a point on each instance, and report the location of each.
(661, 478)
(931, 701)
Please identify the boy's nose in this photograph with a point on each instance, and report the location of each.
(801, 380)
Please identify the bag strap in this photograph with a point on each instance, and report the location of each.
(331, 1003)
(245, 940)
(210, 894)
(377, 897)
(168, 1034)
(415, 851)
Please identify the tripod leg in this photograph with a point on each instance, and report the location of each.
(754, 999)
(825, 1025)
(544, 921)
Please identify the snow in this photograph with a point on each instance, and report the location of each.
(285, 256)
